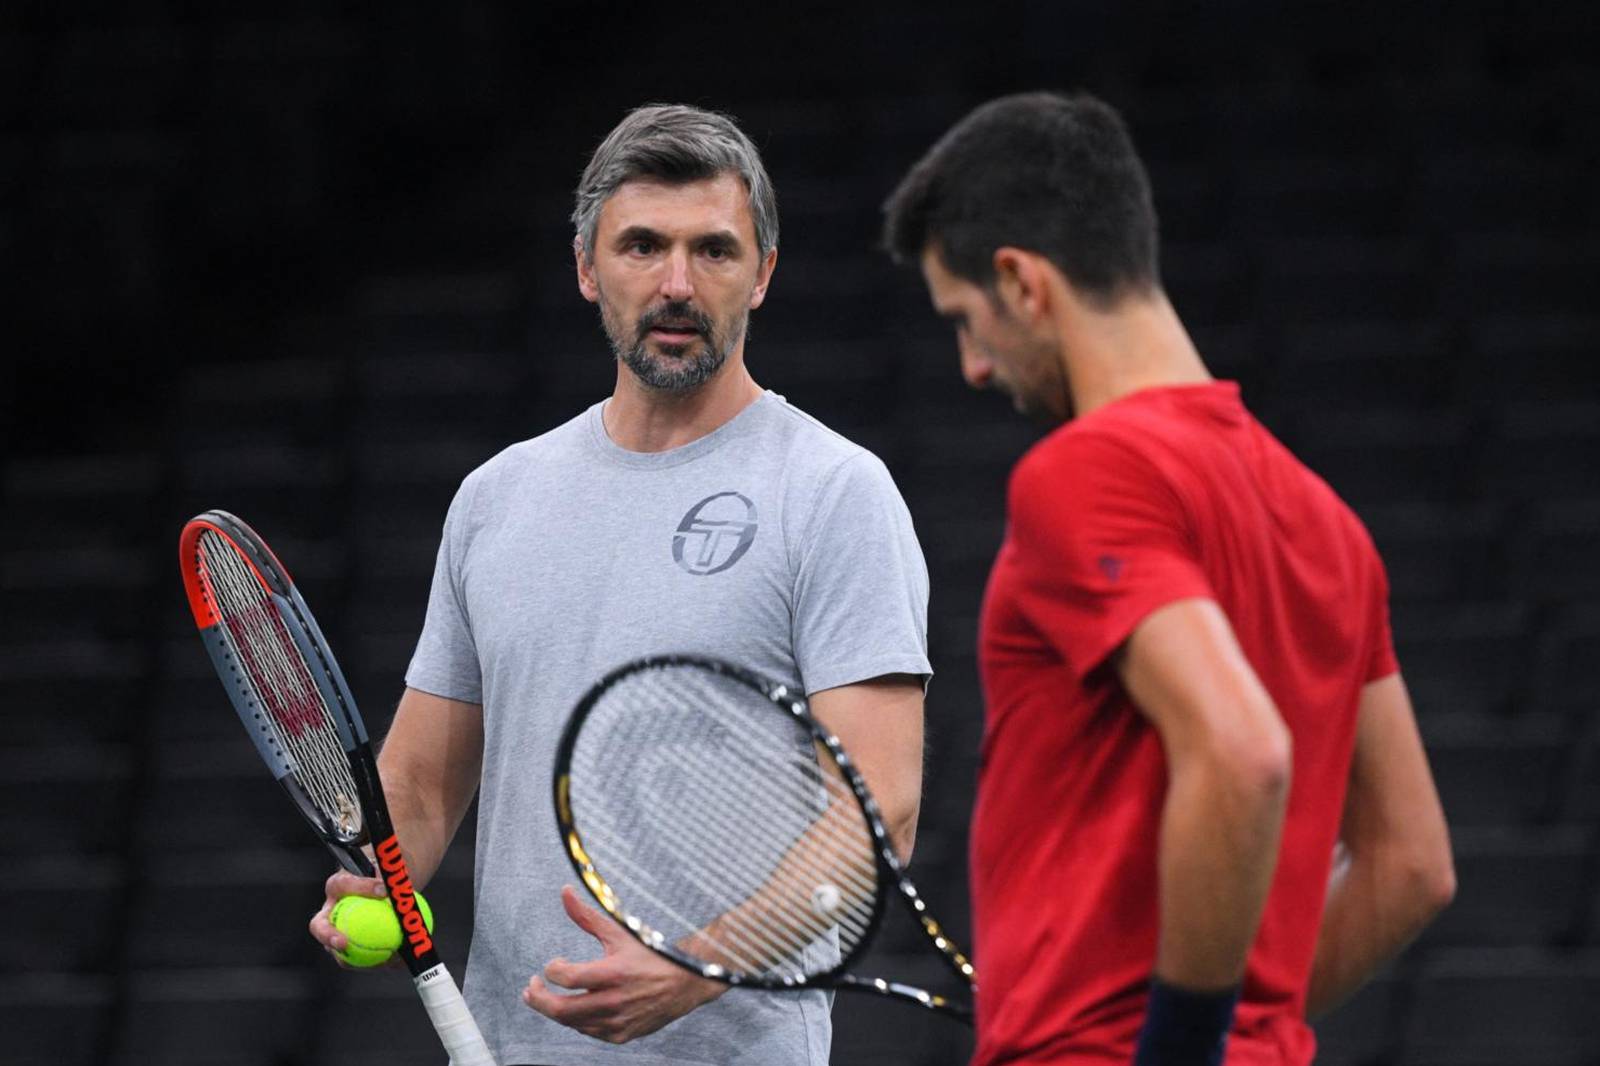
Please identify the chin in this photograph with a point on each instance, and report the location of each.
(1039, 411)
(678, 352)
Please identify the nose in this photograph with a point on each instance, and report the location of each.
(976, 367)
(676, 284)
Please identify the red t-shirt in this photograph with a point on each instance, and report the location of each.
(1166, 494)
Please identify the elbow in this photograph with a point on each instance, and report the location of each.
(1429, 869)
(1422, 882)
(1434, 884)
(903, 835)
(1442, 891)
(1248, 772)
(1264, 765)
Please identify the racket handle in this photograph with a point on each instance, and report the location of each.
(454, 1023)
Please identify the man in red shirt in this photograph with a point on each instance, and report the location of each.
(1193, 703)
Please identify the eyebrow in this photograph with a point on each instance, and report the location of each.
(726, 238)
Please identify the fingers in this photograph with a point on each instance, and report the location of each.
(592, 921)
(624, 1000)
(584, 976)
(592, 1013)
(574, 1009)
(338, 886)
(627, 993)
(550, 1004)
(342, 883)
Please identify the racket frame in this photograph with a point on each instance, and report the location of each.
(891, 871)
(437, 988)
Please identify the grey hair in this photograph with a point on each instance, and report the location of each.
(674, 143)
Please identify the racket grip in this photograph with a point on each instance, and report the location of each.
(451, 1019)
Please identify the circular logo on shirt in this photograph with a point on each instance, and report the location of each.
(715, 533)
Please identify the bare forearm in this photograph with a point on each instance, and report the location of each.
(1219, 847)
(1229, 760)
(424, 828)
(880, 724)
(1394, 870)
(1376, 905)
(430, 764)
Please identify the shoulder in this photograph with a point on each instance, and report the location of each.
(1360, 544)
(503, 475)
(816, 456)
(1080, 456)
(515, 460)
(1160, 439)
(810, 442)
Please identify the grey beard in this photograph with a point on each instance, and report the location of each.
(680, 375)
(691, 365)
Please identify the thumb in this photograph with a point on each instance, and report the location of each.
(590, 920)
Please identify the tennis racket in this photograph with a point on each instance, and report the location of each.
(297, 708)
(709, 813)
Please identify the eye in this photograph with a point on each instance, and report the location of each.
(641, 247)
(716, 252)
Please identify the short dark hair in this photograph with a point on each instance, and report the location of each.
(1052, 173)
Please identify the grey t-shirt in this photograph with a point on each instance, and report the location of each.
(772, 542)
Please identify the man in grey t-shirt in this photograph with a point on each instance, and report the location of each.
(691, 511)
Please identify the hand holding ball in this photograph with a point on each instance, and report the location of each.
(370, 926)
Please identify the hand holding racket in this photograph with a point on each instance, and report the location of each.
(710, 814)
(295, 705)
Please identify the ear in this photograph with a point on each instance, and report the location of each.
(1021, 282)
(587, 284)
(769, 263)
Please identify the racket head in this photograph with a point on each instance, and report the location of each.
(296, 706)
(683, 783)
(281, 678)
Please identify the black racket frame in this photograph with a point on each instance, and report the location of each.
(787, 700)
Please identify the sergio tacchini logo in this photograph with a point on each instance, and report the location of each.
(715, 533)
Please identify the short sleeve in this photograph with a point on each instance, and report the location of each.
(861, 585)
(446, 660)
(1383, 660)
(1100, 541)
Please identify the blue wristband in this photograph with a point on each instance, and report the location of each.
(1183, 1028)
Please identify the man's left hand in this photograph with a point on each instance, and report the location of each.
(628, 992)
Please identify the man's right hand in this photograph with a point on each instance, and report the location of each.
(338, 886)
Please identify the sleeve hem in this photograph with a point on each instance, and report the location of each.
(444, 689)
(854, 673)
(1115, 634)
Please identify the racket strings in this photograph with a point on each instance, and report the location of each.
(814, 804)
(756, 868)
(795, 895)
(836, 843)
(742, 939)
(832, 858)
(296, 712)
(764, 750)
(825, 849)
(739, 948)
(708, 811)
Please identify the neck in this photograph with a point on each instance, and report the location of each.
(642, 419)
(1138, 344)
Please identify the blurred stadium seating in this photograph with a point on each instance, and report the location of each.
(336, 244)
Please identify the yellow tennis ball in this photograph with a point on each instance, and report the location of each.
(371, 928)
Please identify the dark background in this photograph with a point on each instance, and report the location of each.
(329, 242)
